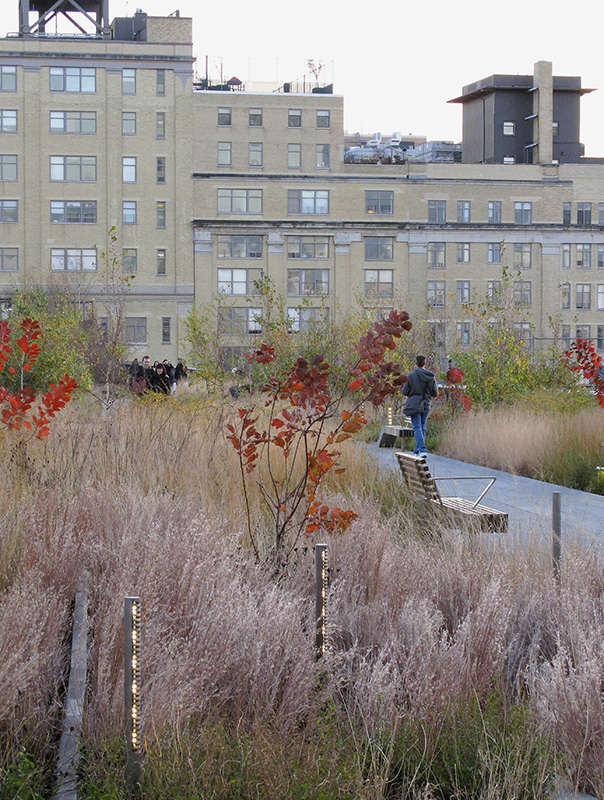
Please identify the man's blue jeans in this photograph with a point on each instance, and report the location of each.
(418, 421)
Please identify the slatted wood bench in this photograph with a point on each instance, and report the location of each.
(453, 510)
(391, 432)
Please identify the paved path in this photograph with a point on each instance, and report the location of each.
(527, 501)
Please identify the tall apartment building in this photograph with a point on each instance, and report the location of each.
(208, 190)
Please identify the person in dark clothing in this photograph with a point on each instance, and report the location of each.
(160, 380)
(180, 371)
(170, 371)
(420, 388)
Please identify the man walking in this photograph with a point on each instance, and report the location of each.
(420, 389)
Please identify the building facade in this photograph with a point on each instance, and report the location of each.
(110, 155)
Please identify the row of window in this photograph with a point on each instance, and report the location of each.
(255, 117)
(583, 296)
(255, 155)
(135, 329)
(81, 122)
(78, 259)
(66, 212)
(81, 169)
(81, 80)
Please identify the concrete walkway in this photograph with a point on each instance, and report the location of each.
(528, 502)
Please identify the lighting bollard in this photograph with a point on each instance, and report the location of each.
(132, 695)
(389, 416)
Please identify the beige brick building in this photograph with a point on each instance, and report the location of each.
(207, 190)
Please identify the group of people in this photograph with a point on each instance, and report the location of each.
(162, 376)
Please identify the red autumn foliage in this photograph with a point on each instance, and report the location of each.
(455, 375)
(18, 412)
(301, 405)
(582, 357)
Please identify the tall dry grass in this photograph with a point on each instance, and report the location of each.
(147, 503)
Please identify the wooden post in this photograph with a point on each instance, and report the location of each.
(132, 636)
(321, 587)
(556, 535)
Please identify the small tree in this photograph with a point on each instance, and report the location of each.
(581, 357)
(297, 443)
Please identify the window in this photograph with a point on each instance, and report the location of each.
(583, 296)
(8, 79)
(565, 256)
(73, 79)
(72, 260)
(238, 281)
(566, 211)
(436, 254)
(463, 210)
(316, 247)
(129, 212)
(584, 256)
(322, 156)
(436, 333)
(73, 168)
(378, 248)
(135, 330)
(494, 253)
(254, 154)
(494, 293)
(463, 253)
(8, 168)
(307, 282)
(509, 128)
(437, 211)
(294, 118)
(379, 202)
(8, 120)
(128, 81)
(583, 213)
(600, 337)
(224, 116)
(160, 169)
(509, 160)
(379, 283)
(160, 261)
(565, 335)
(435, 293)
(240, 201)
(494, 212)
(522, 256)
(9, 259)
(463, 293)
(239, 320)
(160, 214)
(129, 261)
(224, 154)
(9, 211)
(73, 211)
(129, 169)
(160, 82)
(83, 122)
(600, 213)
(601, 256)
(322, 118)
(463, 333)
(165, 329)
(583, 332)
(304, 319)
(565, 296)
(523, 213)
(601, 297)
(521, 293)
(160, 124)
(522, 333)
(307, 201)
(294, 156)
(128, 123)
(254, 118)
(239, 247)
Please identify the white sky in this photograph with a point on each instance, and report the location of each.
(397, 66)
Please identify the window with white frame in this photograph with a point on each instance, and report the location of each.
(72, 259)
(494, 253)
(160, 82)
(312, 247)
(224, 154)
(322, 118)
(307, 282)
(436, 333)
(294, 155)
(8, 168)
(77, 169)
(160, 124)
(128, 123)
(135, 330)
(600, 337)
(600, 213)
(66, 212)
(437, 211)
(583, 332)
(521, 294)
(239, 201)
(224, 116)
(463, 333)
(160, 261)
(583, 213)
(564, 296)
(566, 256)
(304, 319)
(435, 293)
(255, 117)
(322, 156)
(129, 261)
(129, 212)
(522, 255)
(565, 335)
(463, 292)
(128, 169)
(160, 169)
(584, 256)
(464, 211)
(294, 118)
(494, 292)
(9, 259)
(238, 281)
(307, 201)
(81, 122)
(523, 213)
(601, 297)
(463, 252)
(566, 213)
(378, 248)
(379, 283)
(239, 320)
(73, 79)
(254, 154)
(239, 247)
(601, 256)
(166, 325)
(523, 333)
(494, 212)
(8, 78)
(8, 120)
(128, 81)
(160, 214)
(436, 254)
(9, 211)
(583, 296)
(379, 202)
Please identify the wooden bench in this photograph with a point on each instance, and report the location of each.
(454, 510)
(391, 432)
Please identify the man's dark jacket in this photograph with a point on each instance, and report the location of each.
(420, 388)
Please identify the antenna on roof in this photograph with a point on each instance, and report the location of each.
(315, 67)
